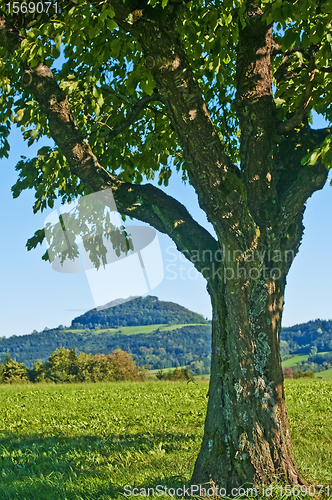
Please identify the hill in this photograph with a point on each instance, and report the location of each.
(156, 333)
(301, 338)
(139, 311)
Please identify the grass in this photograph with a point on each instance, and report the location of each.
(295, 360)
(134, 330)
(309, 407)
(131, 330)
(87, 441)
(175, 327)
(327, 374)
(166, 370)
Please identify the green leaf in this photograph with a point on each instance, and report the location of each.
(55, 52)
(58, 40)
(290, 39)
(148, 85)
(43, 151)
(100, 100)
(36, 239)
(111, 25)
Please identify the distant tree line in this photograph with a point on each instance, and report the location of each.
(65, 366)
(301, 338)
(295, 373)
(189, 345)
(182, 373)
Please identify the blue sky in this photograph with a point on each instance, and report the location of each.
(34, 296)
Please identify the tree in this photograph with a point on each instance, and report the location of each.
(222, 91)
(13, 372)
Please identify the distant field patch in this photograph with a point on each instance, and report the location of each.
(135, 330)
(175, 327)
(327, 374)
(298, 358)
(131, 330)
(165, 370)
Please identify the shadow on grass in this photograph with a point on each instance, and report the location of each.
(89, 467)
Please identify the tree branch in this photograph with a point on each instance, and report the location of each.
(137, 108)
(256, 112)
(10, 38)
(217, 181)
(283, 75)
(306, 179)
(144, 202)
(325, 69)
(107, 90)
(319, 134)
(277, 50)
(149, 204)
(296, 119)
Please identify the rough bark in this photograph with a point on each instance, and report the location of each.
(217, 181)
(246, 435)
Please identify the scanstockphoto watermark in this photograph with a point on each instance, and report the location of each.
(216, 491)
(227, 264)
(190, 491)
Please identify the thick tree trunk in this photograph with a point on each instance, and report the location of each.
(246, 435)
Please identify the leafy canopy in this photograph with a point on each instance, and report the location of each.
(102, 70)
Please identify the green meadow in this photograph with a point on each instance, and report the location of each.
(327, 374)
(135, 330)
(87, 441)
(295, 360)
(124, 330)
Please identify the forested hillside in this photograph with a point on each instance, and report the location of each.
(161, 348)
(139, 311)
(301, 338)
(155, 333)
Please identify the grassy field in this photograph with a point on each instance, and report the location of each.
(134, 330)
(295, 360)
(131, 330)
(86, 441)
(326, 374)
(298, 358)
(180, 325)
